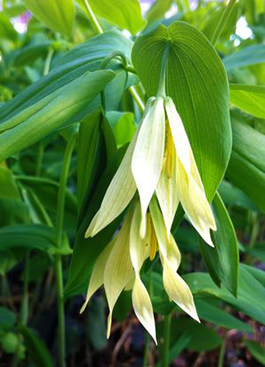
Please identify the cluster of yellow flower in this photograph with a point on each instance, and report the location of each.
(157, 173)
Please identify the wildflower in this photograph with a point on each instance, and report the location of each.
(118, 266)
(158, 160)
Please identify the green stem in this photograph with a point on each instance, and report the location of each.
(92, 17)
(222, 354)
(166, 340)
(39, 158)
(48, 62)
(161, 92)
(222, 22)
(58, 257)
(137, 98)
(25, 298)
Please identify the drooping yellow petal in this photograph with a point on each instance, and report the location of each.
(167, 245)
(148, 155)
(96, 279)
(143, 307)
(167, 195)
(177, 290)
(181, 141)
(118, 195)
(195, 204)
(138, 248)
(189, 184)
(118, 270)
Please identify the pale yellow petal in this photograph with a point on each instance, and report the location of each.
(195, 204)
(143, 307)
(181, 141)
(148, 154)
(178, 291)
(96, 279)
(138, 245)
(167, 195)
(118, 269)
(167, 246)
(118, 195)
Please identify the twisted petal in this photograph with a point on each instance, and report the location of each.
(143, 307)
(118, 270)
(96, 279)
(167, 246)
(148, 154)
(167, 195)
(118, 195)
(190, 188)
(140, 298)
(176, 288)
(195, 204)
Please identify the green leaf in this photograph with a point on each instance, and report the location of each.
(89, 158)
(6, 28)
(217, 316)
(124, 14)
(73, 64)
(250, 297)
(257, 350)
(202, 337)
(222, 261)
(7, 318)
(8, 187)
(38, 352)
(50, 113)
(246, 168)
(58, 15)
(96, 323)
(123, 126)
(157, 10)
(13, 211)
(32, 236)
(86, 251)
(247, 56)
(231, 195)
(249, 98)
(197, 82)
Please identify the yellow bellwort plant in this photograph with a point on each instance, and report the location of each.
(160, 171)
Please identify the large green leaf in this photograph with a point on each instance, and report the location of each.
(220, 317)
(124, 14)
(8, 186)
(56, 14)
(250, 297)
(32, 236)
(222, 261)
(38, 352)
(50, 113)
(249, 98)
(68, 67)
(6, 28)
(197, 82)
(257, 350)
(87, 250)
(247, 56)
(246, 168)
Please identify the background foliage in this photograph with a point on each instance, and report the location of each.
(67, 112)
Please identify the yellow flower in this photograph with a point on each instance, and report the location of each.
(118, 266)
(160, 166)
(159, 160)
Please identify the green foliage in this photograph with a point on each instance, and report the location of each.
(67, 115)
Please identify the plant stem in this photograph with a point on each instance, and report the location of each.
(166, 340)
(58, 257)
(92, 17)
(222, 354)
(25, 298)
(222, 22)
(137, 98)
(48, 62)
